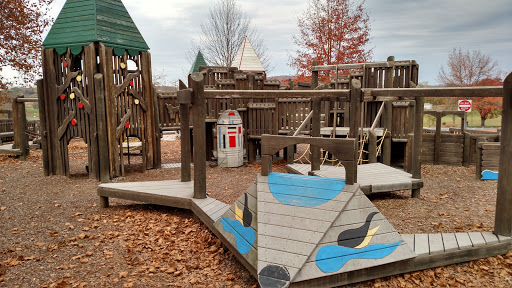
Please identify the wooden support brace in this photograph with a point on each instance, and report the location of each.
(119, 88)
(136, 95)
(64, 126)
(69, 77)
(126, 117)
(83, 99)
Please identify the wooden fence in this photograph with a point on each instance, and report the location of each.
(487, 157)
(448, 149)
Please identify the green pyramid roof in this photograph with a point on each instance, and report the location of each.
(81, 22)
(198, 62)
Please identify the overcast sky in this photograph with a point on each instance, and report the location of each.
(421, 30)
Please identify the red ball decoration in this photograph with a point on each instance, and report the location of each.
(73, 122)
(62, 96)
(80, 105)
(127, 125)
(131, 83)
(65, 64)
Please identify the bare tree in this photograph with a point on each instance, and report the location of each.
(465, 68)
(222, 34)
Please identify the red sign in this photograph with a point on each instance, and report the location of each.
(464, 105)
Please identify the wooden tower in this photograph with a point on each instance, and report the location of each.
(97, 39)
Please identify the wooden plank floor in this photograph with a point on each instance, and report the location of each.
(7, 150)
(372, 178)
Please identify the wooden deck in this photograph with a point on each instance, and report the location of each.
(372, 178)
(7, 150)
(343, 131)
(278, 228)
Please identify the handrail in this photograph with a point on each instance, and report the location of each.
(276, 94)
(303, 124)
(474, 91)
(381, 109)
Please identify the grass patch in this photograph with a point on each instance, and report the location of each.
(473, 119)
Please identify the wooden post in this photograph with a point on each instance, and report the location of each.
(503, 218)
(43, 128)
(315, 127)
(437, 141)
(157, 154)
(266, 165)
(372, 147)
(478, 163)
(466, 149)
(388, 112)
(418, 143)
(198, 110)
(250, 78)
(355, 108)
(185, 132)
(289, 152)
(19, 119)
(101, 123)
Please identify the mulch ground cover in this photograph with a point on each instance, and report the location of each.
(54, 234)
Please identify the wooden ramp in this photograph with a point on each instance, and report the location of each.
(372, 178)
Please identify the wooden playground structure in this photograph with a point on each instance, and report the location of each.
(284, 237)
(286, 229)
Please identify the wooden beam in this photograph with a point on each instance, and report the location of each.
(355, 108)
(196, 82)
(503, 218)
(335, 95)
(20, 123)
(43, 129)
(418, 140)
(185, 98)
(315, 126)
(465, 92)
(101, 122)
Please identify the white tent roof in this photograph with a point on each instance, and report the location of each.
(246, 58)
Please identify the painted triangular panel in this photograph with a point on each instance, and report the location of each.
(359, 238)
(294, 212)
(246, 58)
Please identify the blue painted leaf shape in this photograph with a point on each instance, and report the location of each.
(304, 191)
(244, 236)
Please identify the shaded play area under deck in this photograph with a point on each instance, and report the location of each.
(373, 178)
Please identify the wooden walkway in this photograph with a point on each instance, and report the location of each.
(343, 131)
(302, 231)
(372, 178)
(7, 150)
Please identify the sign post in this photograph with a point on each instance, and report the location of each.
(465, 105)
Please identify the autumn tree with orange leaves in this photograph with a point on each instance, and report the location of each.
(331, 32)
(22, 23)
(488, 107)
(474, 68)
